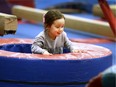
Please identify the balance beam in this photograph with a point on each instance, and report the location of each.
(8, 24)
(97, 11)
(82, 24)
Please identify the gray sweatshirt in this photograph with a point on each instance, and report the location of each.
(42, 43)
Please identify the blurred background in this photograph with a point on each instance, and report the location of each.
(28, 29)
(75, 7)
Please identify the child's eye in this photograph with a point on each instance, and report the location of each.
(57, 27)
(62, 26)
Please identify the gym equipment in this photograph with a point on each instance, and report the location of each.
(8, 24)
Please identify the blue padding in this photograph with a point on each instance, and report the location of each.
(42, 70)
(22, 48)
(3, 84)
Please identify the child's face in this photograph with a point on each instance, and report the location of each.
(56, 28)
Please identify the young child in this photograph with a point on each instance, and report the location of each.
(52, 39)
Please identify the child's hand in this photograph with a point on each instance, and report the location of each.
(78, 51)
(46, 53)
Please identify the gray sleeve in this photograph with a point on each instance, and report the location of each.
(68, 43)
(37, 45)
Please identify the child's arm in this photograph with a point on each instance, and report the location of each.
(69, 45)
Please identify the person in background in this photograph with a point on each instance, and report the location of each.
(107, 78)
(53, 38)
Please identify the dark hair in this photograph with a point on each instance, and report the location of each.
(51, 16)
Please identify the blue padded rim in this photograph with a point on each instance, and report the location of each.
(52, 70)
(48, 72)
